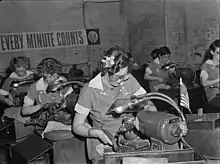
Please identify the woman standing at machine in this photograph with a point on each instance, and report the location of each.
(99, 94)
(210, 76)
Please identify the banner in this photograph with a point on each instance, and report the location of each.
(42, 40)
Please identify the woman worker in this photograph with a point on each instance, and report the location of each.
(36, 98)
(159, 77)
(210, 76)
(98, 95)
(20, 66)
(154, 73)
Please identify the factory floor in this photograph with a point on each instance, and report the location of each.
(4, 159)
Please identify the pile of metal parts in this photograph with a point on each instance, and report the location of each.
(142, 129)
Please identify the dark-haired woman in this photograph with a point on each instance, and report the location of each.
(160, 78)
(49, 70)
(210, 76)
(154, 73)
(98, 95)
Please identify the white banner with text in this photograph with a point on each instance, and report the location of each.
(11, 42)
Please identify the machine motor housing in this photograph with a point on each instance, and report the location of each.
(159, 125)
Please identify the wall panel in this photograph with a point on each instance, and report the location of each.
(43, 16)
(203, 18)
(111, 19)
(146, 24)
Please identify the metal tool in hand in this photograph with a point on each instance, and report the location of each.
(168, 66)
(214, 86)
(16, 84)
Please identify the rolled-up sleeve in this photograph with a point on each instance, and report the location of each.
(204, 74)
(6, 87)
(84, 104)
(148, 70)
(30, 98)
(140, 91)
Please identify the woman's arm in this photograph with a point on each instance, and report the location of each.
(8, 100)
(29, 101)
(81, 128)
(82, 109)
(5, 95)
(139, 90)
(204, 79)
(30, 109)
(148, 76)
(150, 106)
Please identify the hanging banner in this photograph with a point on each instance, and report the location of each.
(42, 40)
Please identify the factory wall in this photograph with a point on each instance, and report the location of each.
(138, 25)
(186, 27)
(46, 16)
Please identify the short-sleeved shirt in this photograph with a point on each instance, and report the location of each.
(37, 91)
(210, 72)
(154, 69)
(5, 90)
(96, 98)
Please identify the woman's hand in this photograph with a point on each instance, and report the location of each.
(101, 135)
(162, 86)
(183, 127)
(9, 102)
(160, 80)
(10, 97)
(150, 107)
(167, 87)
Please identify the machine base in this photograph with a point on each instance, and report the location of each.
(204, 134)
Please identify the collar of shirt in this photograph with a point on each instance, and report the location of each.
(41, 85)
(210, 62)
(98, 83)
(15, 76)
(157, 61)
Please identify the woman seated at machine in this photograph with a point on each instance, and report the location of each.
(36, 98)
(12, 93)
(159, 69)
(47, 96)
(159, 73)
(210, 76)
(21, 72)
(13, 96)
